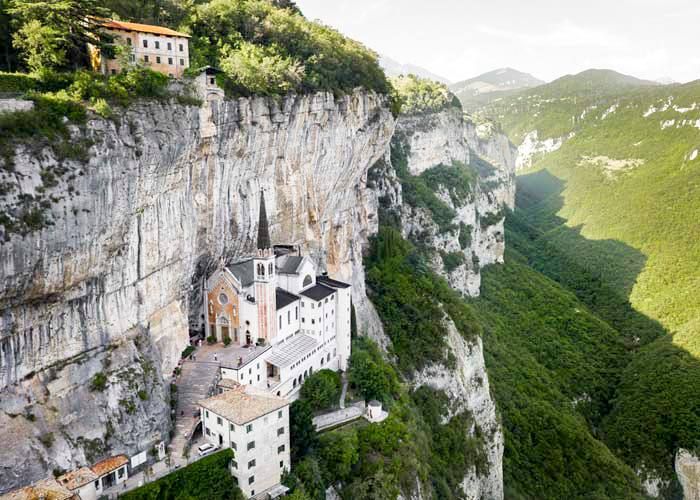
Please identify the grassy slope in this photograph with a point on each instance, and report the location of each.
(625, 236)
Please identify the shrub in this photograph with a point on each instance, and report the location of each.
(452, 260)
(206, 479)
(17, 82)
(322, 389)
(227, 340)
(370, 374)
(143, 395)
(188, 350)
(98, 382)
(211, 339)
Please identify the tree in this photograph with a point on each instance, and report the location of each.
(301, 429)
(41, 45)
(322, 389)
(338, 452)
(73, 23)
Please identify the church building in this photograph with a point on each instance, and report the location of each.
(283, 320)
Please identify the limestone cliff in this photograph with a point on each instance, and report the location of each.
(421, 143)
(112, 286)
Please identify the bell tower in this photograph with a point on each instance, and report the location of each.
(265, 278)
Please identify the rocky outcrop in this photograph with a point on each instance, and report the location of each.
(687, 467)
(533, 148)
(468, 389)
(423, 142)
(475, 237)
(168, 190)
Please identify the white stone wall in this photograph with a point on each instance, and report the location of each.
(288, 321)
(269, 461)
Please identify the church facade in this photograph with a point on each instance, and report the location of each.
(280, 317)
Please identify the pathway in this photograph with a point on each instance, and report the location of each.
(337, 417)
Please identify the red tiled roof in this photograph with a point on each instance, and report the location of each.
(143, 28)
(109, 464)
(77, 478)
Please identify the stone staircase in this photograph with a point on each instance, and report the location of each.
(197, 381)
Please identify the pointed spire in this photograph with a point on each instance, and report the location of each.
(264, 242)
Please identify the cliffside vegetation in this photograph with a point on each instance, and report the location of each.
(413, 445)
(419, 95)
(264, 47)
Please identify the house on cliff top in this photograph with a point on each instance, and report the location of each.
(159, 48)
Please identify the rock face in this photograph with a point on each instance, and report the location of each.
(476, 235)
(688, 471)
(425, 142)
(168, 191)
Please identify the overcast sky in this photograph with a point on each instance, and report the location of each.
(458, 39)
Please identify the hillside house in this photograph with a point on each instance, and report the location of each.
(161, 49)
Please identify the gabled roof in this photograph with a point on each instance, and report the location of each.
(109, 464)
(142, 28)
(77, 478)
(317, 292)
(331, 282)
(283, 298)
(285, 354)
(243, 404)
(243, 271)
(291, 264)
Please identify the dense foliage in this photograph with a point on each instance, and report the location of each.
(206, 479)
(419, 95)
(412, 302)
(265, 49)
(612, 216)
(322, 389)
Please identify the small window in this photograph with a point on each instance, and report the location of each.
(170, 61)
(132, 57)
(251, 464)
(208, 432)
(280, 322)
(206, 413)
(281, 464)
(232, 427)
(251, 445)
(251, 479)
(249, 428)
(234, 445)
(145, 44)
(234, 464)
(280, 431)
(181, 49)
(128, 41)
(280, 449)
(114, 71)
(145, 58)
(121, 472)
(219, 421)
(212, 81)
(182, 62)
(279, 414)
(289, 317)
(170, 46)
(157, 44)
(97, 484)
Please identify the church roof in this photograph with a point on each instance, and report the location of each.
(331, 282)
(285, 354)
(283, 298)
(264, 241)
(317, 292)
(109, 464)
(243, 404)
(48, 489)
(291, 264)
(243, 271)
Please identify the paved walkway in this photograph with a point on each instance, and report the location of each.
(337, 417)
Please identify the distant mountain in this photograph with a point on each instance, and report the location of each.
(495, 84)
(395, 68)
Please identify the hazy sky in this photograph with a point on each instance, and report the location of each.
(548, 38)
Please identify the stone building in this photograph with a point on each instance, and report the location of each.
(255, 424)
(282, 319)
(161, 49)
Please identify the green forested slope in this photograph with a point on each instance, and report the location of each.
(614, 217)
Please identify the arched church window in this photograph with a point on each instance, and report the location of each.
(269, 269)
(307, 280)
(261, 269)
(223, 299)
